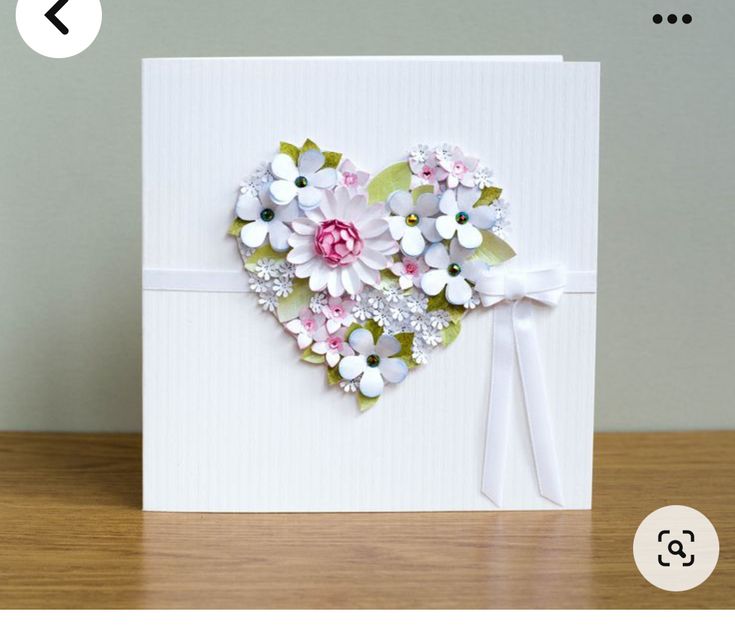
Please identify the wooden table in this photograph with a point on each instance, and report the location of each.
(72, 536)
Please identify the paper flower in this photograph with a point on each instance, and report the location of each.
(338, 312)
(306, 327)
(409, 271)
(268, 220)
(332, 345)
(373, 362)
(413, 225)
(451, 270)
(304, 182)
(455, 167)
(462, 217)
(342, 245)
(424, 172)
(352, 178)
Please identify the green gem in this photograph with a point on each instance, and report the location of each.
(461, 217)
(267, 215)
(373, 360)
(301, 182)
(454, 269)
(412, 220)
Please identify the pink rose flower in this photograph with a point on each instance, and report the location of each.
(338, 243)
(409, 271)
(338, 312)
(306, 327)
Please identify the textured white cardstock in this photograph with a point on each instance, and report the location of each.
(233, 421)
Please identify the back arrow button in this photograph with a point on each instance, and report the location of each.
(51, 16)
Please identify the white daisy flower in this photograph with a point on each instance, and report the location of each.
(342, 245)
(483, 177)
(318, 302)
(266, 268)
(257, 284)
(268, 302)
(282, 287)
(439, 319)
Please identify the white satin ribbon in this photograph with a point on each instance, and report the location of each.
(513, 293)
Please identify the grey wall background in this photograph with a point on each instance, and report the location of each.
(70, 188)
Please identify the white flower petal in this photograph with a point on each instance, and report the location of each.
(482, 217)
(446, 226)
(253, 234)
(319, 276)
(295, 326)
(350, 280)
(413, 242)
(433, 282)
(366, 274)
(301, 254)
(319, 347)
(373, 259)
(405, 282)
(371, 382)
(282, 192)
(437, 256)
(428, 228)
(400, 202)
(397, 226)
(361, 340)
(352, 366)
(469, 236)
(333, 325)
(287, 213)
(458, 291)
(304, 270)
(448, 203)
(248, 207)
(374, 228)
(309, 197)
(467, 197)
(332, 358)
(304, 340)
(283, 167)
(427, 204)
(278, 234)
(326, 178)
(304, 227)
(334, 283)
(387, 346)
(310, 161)
(473, 270)
(394, 370)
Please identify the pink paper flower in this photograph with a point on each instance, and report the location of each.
(456, 169)
(352, 178)
(338, 312)
(332, 345)
(306, 327)
(338, 242)
(409, 271)
(425, 173)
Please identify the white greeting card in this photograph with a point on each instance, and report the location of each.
(369, 283)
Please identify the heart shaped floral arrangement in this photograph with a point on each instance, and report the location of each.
(370, 273)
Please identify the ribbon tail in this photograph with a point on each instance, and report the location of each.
(537, 402)
(499, 410)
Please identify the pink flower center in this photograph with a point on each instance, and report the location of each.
(309, 324)
(334, 343)
(427, 172)
(458, 168)
(338, 243)
(338, 311)
(411, 268)
(349, 179)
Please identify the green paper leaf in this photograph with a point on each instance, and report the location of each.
(387, 277)
(309, 145)
(488, 195)
(395, 177)
(439, 302)
(331, 159)
(406, 352)
(290, 150)
(264, 252)
(449, 334)
(375, 329)
(290, 306)
(314, 358)
(422, 189)
(366, 403)
(493, 250)
(333, 376)
(236, 227)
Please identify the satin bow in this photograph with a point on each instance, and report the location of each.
(513, 293)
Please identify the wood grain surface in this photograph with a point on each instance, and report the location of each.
(72, 535)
